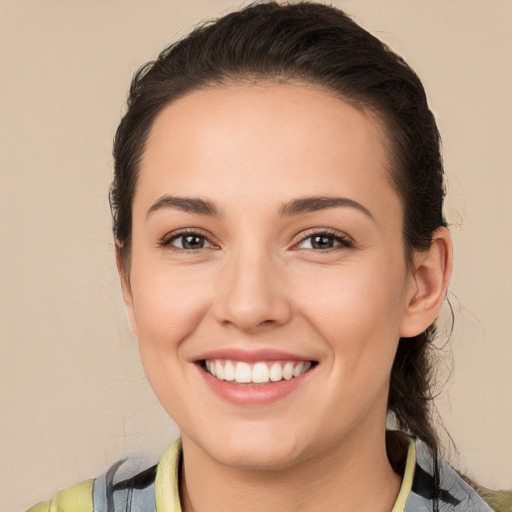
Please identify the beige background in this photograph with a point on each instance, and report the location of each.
(73, 396)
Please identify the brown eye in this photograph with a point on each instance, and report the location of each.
(324, 242)
(189, 242)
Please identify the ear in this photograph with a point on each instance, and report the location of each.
(126, 288)
(429, 284)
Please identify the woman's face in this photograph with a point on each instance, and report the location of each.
(267, 239)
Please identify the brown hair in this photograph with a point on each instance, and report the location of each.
(320, 45)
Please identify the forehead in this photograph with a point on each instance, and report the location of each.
(264, 138)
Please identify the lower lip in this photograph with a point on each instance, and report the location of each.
(252, 394)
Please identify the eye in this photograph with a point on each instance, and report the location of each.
(324, 241)
(188, 241)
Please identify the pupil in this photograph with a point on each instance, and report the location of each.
(322, 242)
(193, 242)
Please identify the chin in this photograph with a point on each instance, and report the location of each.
(254, 451)
(260, 458)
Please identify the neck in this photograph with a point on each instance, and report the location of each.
(355, 476)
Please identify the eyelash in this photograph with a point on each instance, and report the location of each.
(171, 237)
(343, 241)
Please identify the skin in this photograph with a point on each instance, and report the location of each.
(258, 283)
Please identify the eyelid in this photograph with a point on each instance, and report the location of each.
(345, 241)
(166, 240)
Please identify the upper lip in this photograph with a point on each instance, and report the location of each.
(250, 356)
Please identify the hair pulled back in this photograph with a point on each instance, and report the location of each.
(319, 45)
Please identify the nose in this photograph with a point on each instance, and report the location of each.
(254, 295)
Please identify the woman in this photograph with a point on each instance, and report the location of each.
(277, 208)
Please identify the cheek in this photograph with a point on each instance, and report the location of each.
(353, 295)
(168, 305)
(357, 312)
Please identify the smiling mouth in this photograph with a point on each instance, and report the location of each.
(260, 372)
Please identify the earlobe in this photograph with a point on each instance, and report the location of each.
(429, 285)
(126, 290)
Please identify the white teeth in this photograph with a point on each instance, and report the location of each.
(276, 372)
(298, 369)
(219, 370)
(257, 373)
(229, 371)
(260, 373)
(242, 372)
(288, 371)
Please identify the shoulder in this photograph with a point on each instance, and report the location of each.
(455, 494)
(500, 501)
(112, 491)
(123, 487)
(76, 499)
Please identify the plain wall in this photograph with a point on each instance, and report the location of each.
(73, 396)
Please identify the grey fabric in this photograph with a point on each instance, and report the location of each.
(123, 489)
(455, 496)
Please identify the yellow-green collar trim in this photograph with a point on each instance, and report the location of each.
(405, 488)
(167, 493)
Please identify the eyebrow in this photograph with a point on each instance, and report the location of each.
(185, 204)
(200, 206)
(313, 204)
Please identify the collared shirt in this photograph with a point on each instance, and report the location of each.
(156, 489)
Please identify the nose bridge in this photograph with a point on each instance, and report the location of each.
(254, 294)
